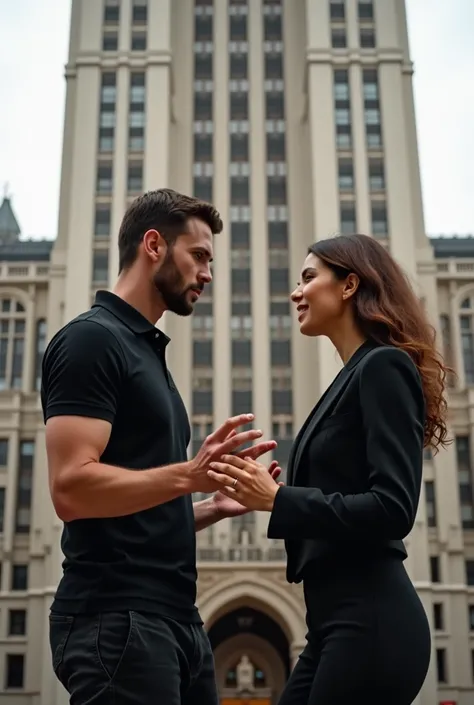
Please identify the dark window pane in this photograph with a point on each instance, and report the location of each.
(274, 105)
(276, 149)
(102, 221)
(202, 353)
(276, 190)
(240, 236)
(17, 623)
(241, 353)
(367, 38)
(241, 402)
(240, 281)
(239, 190)
(111, 14)
(203, 28)
(100, 267)
(20, 577)
(280, 353)
(202, 402)
(239, 106)
(239, 148)
(434, 569)
(15, 667)
(338, 39)
(337, 10)
(272, 28)
(203, 188)
(366, 11)
(238, 66)
(238, 28)
(278, 235)
(202, 148)
(202, 106)
(138, 41)
(140, 14)
(3, 452)
(279, 281)
(273, 65)
(110, 42)
(282, 401)
(203, 66)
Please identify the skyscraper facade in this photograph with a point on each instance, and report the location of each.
(296, 118)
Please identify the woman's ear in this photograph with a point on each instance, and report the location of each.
(351, 284)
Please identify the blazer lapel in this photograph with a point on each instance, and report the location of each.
(322, 408)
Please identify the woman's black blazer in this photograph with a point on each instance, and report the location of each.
(355, 469)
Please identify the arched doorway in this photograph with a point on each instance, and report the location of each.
(252, 655)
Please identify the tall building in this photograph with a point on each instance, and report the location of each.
(296, 118)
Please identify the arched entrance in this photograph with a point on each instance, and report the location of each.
(252, 656)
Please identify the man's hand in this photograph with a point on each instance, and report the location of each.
(223, 441)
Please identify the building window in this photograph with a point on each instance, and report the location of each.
(12, 343)
(430, 495)
(241, 353)
(467, 339)
(272, 28)
(139, 12)
(100, 267)
(367, 38)
(202, 106)
(280, 353)
(3, 452)
(338, 38)
(239, 190)
(135, 177)
(25, 483)
(19, 577)
(346, 175)
(279, 281)
(469, 572)
(441, 666)
(376, 175)
(379, 220)
(471, 617)
(40, 348)
(240, 281)
(273, 65)
(110, 41)
(274, 105)
(2, 509)
(102, 220)
(337, 10)
(366, 11)
(466, 491)
(202, 148)
(203, 188)
(240, 236)
(242, 401)
(348, 218)
(14, 671)
(238, 28)
(16, 622)
(111, 14)
(202, 396)
(203, 66)
(435, 572)
(138, 41)
(202, 353)
(238, 66)
(438, 616)
(371, 89)
(104, 178)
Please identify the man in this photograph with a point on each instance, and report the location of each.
(124, 627)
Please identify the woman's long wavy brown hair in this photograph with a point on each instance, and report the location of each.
(389, 312)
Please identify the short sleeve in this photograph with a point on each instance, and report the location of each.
(83, 372)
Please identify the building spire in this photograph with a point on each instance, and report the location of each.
(9, 228)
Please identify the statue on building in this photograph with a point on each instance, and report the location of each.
(245, 675)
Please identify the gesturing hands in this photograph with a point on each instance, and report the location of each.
(224, 441)
(246, 481)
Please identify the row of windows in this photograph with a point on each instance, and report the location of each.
(379, 218)
(366, 38)
(466, 487)
(24, 486)
(337, 10)
(138, 40)
(139, 12)
(241, 353)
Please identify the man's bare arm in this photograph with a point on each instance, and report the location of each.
(82, 487)
(206, 513)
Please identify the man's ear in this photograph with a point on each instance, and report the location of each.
(154, 245)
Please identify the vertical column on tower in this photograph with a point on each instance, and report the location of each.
(322, 115)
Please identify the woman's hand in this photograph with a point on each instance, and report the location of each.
(245, 480)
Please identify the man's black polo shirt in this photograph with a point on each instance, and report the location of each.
(109, 363)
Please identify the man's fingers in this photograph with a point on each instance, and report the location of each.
(239, 439)
(221, 433)
(258, 449)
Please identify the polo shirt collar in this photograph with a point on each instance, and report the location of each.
(126, 313)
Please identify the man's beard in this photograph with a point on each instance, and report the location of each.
(169, 282)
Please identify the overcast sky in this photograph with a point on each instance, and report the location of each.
(33, 50)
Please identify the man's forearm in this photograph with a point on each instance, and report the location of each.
(206, 513)
(101, 491)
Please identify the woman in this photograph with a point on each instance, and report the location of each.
(354, 479)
